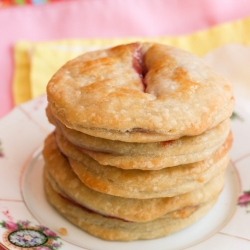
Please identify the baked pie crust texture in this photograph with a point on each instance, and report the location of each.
(141, 92)
(141, 141)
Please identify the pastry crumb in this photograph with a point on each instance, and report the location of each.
(200, 179)
(63, 231)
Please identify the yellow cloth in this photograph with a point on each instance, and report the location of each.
(35, 63)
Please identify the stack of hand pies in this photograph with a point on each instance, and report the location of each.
(141, 142)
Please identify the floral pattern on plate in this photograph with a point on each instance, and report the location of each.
(21, 235)
(244, 200)
(236, 116)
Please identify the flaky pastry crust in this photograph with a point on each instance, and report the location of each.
(166, 182)
(140, 92)
(118, 230)
(65, 181)
(154, 155)
(147, 156)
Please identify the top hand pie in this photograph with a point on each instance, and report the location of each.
(140, 92)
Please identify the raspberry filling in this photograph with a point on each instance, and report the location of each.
(167, 143)
(139, 66)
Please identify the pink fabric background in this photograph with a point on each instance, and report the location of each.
(105, 19)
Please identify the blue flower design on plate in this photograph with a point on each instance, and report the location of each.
(27, 238)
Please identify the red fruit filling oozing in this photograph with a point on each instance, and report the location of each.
(139, 65)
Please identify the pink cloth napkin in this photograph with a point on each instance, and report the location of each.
(105, 19)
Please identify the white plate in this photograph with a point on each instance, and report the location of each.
(23, 131)
(34, 197)
(23, 203)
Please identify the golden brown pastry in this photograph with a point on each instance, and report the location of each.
(119, 230)
(141, 141)
(65, 182)
(140, 92)
(146, 156)
(159, 183)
